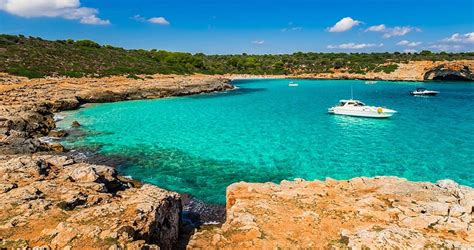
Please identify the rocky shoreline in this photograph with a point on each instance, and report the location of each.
(413, 71)
(55, 200)
(27, 108)
(52, 199)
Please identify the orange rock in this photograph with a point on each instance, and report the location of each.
(380, 212)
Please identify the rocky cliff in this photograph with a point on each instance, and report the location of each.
(375, 213)
(410, 71)
(50, 200)
(452, 71)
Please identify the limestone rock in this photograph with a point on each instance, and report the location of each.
(375, 213)
(75, 124)
(7, 187)
(83, 173)
(50, 200)
(57, 133)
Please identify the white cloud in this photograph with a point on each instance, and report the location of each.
(258, 42)
(376, 28)
(67, 9)
(398, 31)
(391, 32)
(456, 42)
(138, 18)
(409, 51)
(291, 29)
(154, 20)
(458, 38)
(354, 46)
(446, 47)
(158, 20)
(344, 24)
(408, 43)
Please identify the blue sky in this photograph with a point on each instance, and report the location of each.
(258, 26)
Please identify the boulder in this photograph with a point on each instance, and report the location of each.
(7, 187)
(57, 133)
(75, 124)
(60, 203)
(83, 173)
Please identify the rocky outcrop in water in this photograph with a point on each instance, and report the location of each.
(376, 213)
(50, 200)
(21, 127)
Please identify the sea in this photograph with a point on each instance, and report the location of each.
(267, 131)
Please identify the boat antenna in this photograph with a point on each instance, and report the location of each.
(352, 93)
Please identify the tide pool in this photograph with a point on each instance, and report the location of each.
(267, 131)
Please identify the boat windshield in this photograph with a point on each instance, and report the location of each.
(352, 103)
(420, 89)
(358, 104)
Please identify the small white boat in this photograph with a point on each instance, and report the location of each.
(357, 108)
(423, 91)
(293, 84)
(370, 82)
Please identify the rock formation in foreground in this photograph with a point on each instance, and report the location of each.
(378, 213)
(53, 201)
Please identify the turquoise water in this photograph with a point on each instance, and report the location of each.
(267, 131)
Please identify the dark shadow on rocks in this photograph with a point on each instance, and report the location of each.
(195, 214)
(451, 77)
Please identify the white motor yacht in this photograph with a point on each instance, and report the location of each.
(357, 108)
(423, 91)
(293, 84)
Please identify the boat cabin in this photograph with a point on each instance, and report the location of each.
(351, 103)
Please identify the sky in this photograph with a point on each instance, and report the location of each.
(249, 26)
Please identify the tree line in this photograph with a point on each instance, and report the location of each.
(35, 57)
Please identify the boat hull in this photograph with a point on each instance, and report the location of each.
(424, 94)
(386, 113)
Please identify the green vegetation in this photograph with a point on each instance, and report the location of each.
(35, 57)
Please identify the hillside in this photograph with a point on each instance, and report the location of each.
(34, 57)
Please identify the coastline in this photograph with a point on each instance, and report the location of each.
(25, 119)
(413, 71)
(26, 163)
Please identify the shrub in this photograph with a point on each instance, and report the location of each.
(25, 72)
(87, 43)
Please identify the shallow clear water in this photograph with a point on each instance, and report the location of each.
(267, 131)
